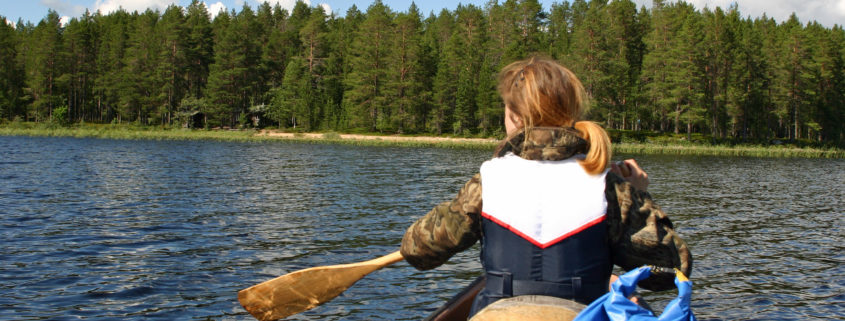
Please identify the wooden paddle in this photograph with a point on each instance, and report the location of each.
(302, 290)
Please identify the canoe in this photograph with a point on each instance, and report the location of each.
(526, 307)
(458, 307)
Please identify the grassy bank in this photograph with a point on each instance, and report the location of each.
(663, 146)
(131, 132)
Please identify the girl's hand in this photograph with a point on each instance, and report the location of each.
(635, 297)
(631, 172)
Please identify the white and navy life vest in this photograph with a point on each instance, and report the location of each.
(543, 230)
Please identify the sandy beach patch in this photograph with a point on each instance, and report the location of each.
(393, 138)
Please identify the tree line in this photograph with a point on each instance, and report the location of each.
(669, 68)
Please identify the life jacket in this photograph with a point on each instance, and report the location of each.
(543, 230)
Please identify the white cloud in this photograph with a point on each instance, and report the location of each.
(215, 8)
(286, 4)
(64, 20)
(11, 23)
(826, 12)
(108, 6)
(328, 9)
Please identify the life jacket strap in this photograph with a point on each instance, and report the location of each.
(502, 284)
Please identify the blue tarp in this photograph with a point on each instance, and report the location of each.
(615, 306)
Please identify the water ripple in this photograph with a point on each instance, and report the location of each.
(139, 230)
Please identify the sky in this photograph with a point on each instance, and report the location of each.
(826, 12)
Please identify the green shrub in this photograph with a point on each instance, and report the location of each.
(60, 115)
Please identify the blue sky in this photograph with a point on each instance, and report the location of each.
(827, 12)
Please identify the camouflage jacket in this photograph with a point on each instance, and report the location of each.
(639, 232)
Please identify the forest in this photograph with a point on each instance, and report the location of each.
(670, 68)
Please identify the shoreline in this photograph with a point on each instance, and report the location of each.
(389, 138)
(131, 132)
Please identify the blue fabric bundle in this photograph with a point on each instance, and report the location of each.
(615, 306)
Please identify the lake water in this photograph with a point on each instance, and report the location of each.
(171, 230)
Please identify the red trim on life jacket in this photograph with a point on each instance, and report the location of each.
(537, 243)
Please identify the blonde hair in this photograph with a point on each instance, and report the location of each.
(546, 94)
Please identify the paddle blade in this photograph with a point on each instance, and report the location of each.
(305, 289)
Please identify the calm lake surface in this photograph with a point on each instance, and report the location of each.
(171, 230)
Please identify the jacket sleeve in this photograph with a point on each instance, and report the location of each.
(641, 234)
(448, 228)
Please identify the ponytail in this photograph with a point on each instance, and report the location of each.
(543, 93)
(599, 152)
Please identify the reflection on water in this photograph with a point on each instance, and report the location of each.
(108, 229)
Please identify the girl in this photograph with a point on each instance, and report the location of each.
(551, 217)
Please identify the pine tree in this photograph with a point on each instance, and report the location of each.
(341, 36)
(171, 68)
(720, 43)
(221, 92)
(529, 17)
(595, 58)
(81, 39)
(199, 50)
(560, 28)
(444, 87)
(767, 114)
(406, 78)
(313, 37)
(369, 68)
(826, 110)
(291, 102)
(621, 69)
(749, 84)
(234, 82)
(11, 73)
(138, 79)
(469, 36)
(686, 73)
(507, 40)
(792, 84)
(670, 64)
(490, 108)
(110, 62)
(44, 67)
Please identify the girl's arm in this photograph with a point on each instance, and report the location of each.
(640, 233)
(447, 229)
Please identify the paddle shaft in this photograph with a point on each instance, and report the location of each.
(305, 289)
